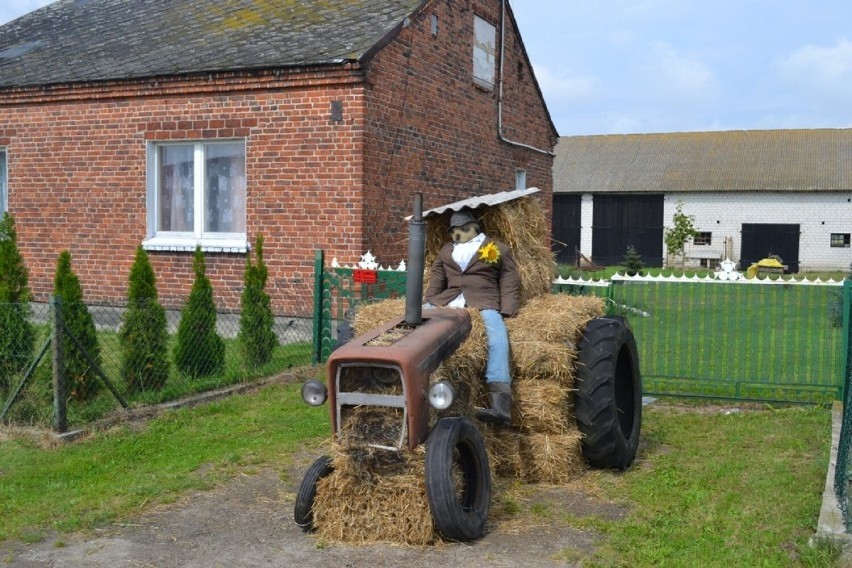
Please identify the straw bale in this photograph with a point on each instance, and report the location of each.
(543, 360)
(363, 425)
(371, 315)
(504, 451)
(541, 407)
(551, 458)
(556, 318)
(374, 497)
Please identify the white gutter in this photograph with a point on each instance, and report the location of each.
(500, 91)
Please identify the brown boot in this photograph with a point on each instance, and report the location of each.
(500, 412)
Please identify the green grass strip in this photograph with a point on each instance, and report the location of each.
(115, 474)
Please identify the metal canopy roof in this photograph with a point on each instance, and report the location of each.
(479, 200)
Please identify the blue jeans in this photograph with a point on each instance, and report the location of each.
(497, 367)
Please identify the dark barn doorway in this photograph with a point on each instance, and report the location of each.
(761, 240)
(623, 220)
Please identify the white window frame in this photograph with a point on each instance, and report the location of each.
(188, 240)
(484, 52)
(520, 178)
(4, 182)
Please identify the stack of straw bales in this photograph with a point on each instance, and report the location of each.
(383, 499)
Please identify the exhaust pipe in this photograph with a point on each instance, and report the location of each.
(416, 263)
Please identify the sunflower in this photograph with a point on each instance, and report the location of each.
(489, 253)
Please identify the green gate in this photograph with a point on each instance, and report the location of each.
(339, 289)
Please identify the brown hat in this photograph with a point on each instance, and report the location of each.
(463, 217)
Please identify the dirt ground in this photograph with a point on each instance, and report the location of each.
(249, 522)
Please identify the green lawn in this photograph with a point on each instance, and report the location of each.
(117, 473)
(709, 488)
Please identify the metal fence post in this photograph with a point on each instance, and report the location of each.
(318, 287)
(60, 398)
(847, 331)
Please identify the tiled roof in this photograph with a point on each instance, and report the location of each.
(741, 160)
(93, 40)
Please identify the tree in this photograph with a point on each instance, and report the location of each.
(199, 352)
(18, 337)
(632, 261)
(143, 334)
(680, 233)
(82, 380)
(257, 340)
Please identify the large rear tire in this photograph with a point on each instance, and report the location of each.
(608, 402)
(303, 511)
(458, 479)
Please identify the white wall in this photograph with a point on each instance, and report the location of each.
(723, 214)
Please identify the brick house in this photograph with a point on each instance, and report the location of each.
(751, 193)
(174, 123)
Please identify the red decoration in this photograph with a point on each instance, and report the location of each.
(363, 276)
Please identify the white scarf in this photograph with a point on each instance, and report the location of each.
(462, 254)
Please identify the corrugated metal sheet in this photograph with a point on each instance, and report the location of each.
(742, 160)
(480, 200)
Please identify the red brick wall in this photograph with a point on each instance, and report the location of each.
(77, 177)
(430, 129)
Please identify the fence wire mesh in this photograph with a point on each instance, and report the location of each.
(138, 365)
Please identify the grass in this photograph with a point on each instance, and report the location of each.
(712, 489)
(708, 488)
(117, 473)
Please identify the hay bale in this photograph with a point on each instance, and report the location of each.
(555, 318)
(551, 458)
(541, 406)
(375, 496)
(371, 315)
(535, 359)
(504, 451)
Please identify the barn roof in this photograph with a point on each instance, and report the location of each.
(94, 40)
(741, 160)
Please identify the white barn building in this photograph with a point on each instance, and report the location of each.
(751, 194)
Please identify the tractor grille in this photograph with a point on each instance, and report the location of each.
(371, 408)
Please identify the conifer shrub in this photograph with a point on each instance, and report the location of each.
(83, 382)
(144, 333)
(17, 336)
(199, 351)
(632, 261)
(256, 338)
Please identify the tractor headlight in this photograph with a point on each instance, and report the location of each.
(314, 393)
(441, 395)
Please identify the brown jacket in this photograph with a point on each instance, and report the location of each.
(485, 286)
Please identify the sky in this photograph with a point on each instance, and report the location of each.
(647, 66)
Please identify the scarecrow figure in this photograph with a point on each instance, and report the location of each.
(478, 272)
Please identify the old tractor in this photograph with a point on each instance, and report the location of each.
(389, 369)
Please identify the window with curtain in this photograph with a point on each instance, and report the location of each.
(197, 194)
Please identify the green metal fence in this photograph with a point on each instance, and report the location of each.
(743, 340)
(730, 339)
(843, 467)
(37, 379)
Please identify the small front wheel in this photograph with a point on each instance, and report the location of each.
(303, 512)
(458, 479)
